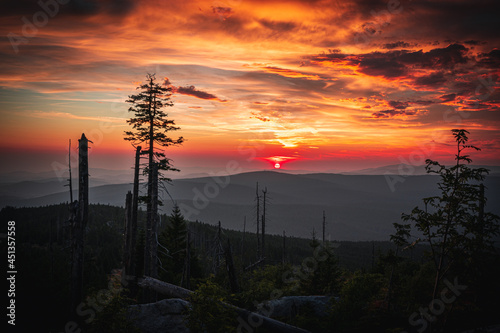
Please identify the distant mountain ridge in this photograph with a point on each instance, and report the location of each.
(108, 176)
(357, 207)
(409, 170)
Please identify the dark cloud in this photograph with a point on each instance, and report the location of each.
(398, 63)
(382, 64)
(474, 42)
(396, 45)
(398, 105)
(223, 12)
(432, 80)
(448, 97)
(73, 7)
(278, 25)
(192, 91)
(475, 105)
(423, 102)
(460, 19)
(333, 56)
(259, 116)
(490, 59)
(446, 57)
(392, 113)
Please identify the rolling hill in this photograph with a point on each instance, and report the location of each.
(357, 207)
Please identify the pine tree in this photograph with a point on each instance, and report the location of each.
(150, 129)
(151, 124)
(173, 240)
(323, 276)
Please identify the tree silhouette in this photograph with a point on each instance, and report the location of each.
(150, 130)
(173, 238)
(150, 123)
(454, 224)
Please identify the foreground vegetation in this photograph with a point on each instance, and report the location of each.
(371, 283)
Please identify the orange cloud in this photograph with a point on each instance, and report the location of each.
(287, 74)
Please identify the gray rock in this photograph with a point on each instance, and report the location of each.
(161, 317)
(290, 306)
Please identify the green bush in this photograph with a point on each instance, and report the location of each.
(209, 311)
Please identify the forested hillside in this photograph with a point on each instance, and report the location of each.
(360, 273)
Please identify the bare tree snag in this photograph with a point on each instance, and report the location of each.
(284, 247)
(233, 281)
(154, 223)
(70, 181)
(80, 222)
(324, 227)
(243, 236)
(263, 251)
(258, 215)
(135, 207)
(186, 274)
(127, 234)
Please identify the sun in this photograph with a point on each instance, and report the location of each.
(277, 162)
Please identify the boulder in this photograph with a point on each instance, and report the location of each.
(163, 316)
(290, 306)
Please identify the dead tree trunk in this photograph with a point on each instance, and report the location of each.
(284, 247)
(70, 181)
(255, 264)
(231, 272)
(270, 324)
(80, 222)
(127, 259)
(373, 254)
(186, 274)
(480, 217)
(148, 239)
(243, 237)
(154, 223)
(135, 207)
(324, 227)
(263, 251)
(258, 216)
(150, 245)
(217, 250)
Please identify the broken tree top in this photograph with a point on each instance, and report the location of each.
(84, 138)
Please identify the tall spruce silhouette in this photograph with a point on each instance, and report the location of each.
(150, 130)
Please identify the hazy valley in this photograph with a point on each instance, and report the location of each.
(357, 207)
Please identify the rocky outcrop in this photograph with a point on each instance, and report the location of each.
(161, 317)
(290, 306)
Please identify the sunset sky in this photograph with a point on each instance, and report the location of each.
(311, 85)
